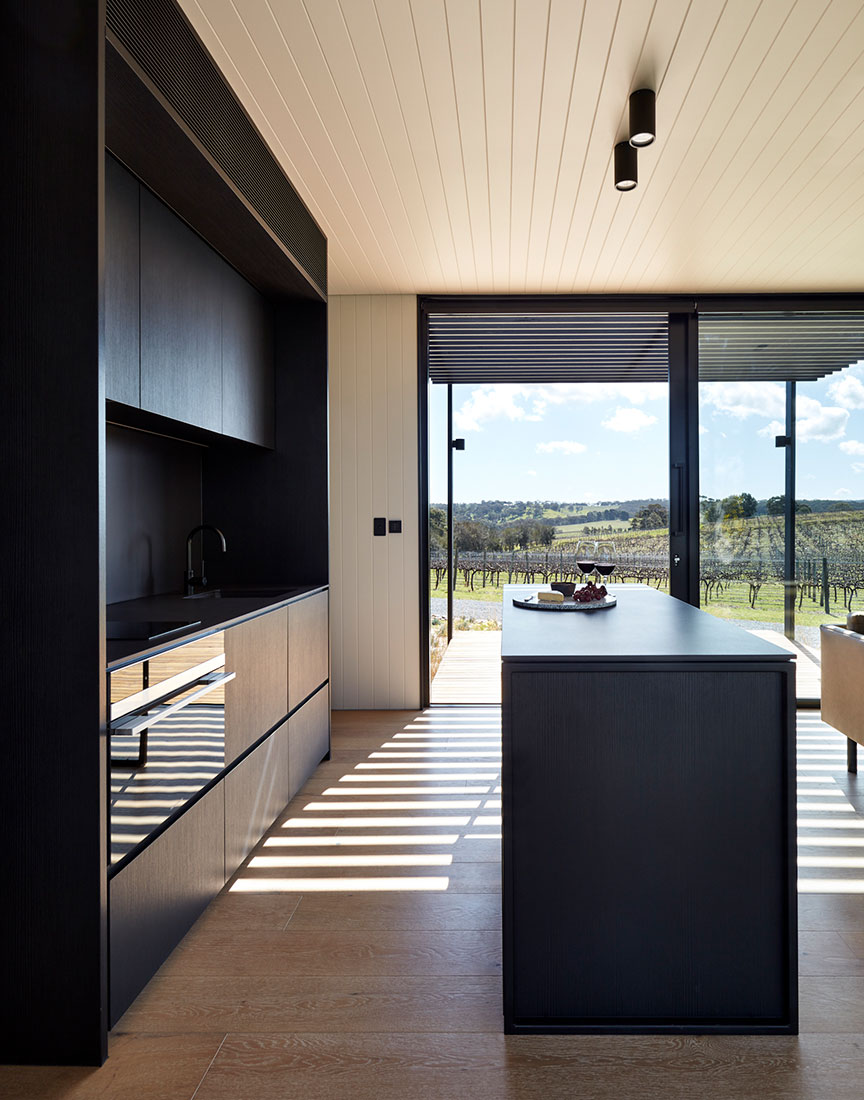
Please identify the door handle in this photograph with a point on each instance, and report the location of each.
(677, 505)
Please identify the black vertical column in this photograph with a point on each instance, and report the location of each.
(789, 517)
(684, 457)
(451, 580)
(52, 427)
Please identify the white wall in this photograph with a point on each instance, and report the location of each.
(374, 582)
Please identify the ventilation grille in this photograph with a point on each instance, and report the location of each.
(157, 35)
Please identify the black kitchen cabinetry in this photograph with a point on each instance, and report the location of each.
(156, 899)
(186, 337)
(122, 275)
(181, 320)
(247, 361)
(271, 748)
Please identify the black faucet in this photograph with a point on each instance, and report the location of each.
(190, 580)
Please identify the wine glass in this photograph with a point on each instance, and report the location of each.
(605, 558)
(585, 556)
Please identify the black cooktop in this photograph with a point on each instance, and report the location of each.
(119, 631)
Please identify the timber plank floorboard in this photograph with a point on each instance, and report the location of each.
(317, 984)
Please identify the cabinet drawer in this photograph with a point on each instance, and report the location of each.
(308, 646)
(255, 791)
(308, 738)
(257, 699)
(155, 899)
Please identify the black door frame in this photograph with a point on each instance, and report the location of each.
(683, 311)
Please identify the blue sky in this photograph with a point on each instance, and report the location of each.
(594, 442)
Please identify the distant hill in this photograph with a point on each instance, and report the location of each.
(501, 513)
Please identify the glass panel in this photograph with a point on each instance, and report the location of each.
(752, 367)
(437, 458)
(829, 507)
(741, 546)
(546, 466)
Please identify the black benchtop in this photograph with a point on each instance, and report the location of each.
(644, 625)
(212, 615)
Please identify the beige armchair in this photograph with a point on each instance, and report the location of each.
(843, 686)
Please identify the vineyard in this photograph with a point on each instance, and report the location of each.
(741, 565)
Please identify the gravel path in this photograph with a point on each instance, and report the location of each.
(468, 609)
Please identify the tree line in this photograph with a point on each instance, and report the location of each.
(480, 536)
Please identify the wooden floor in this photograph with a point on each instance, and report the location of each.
(357, 953)
(808, 668)
(470, 670)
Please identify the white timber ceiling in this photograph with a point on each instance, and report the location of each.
(465, 146)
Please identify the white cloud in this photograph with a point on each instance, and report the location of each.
(703, 430)
(629, 420)
(842, 493)
(489, 403)
(774, 428)
(743, 399)
(815, 422)
(561, 446)
(531, 403)
(848, 389)
(531, 473)
(852, 447)
(858, 467)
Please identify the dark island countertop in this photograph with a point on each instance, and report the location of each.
(212, 615)
(644, 625)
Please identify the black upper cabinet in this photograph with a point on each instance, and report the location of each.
(186, 337)
(122, 327)
(181, 322)
(247, 361)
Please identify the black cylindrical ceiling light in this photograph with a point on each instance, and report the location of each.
(625, 166)
(643, 123)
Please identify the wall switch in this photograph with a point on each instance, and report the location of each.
(395, 526)
(379, 525)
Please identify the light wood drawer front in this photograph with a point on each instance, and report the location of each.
(257, 699)
(308, 738)
(255, 791)
(308, 647)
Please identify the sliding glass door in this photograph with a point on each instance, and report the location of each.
(758, 497)
(781, 421)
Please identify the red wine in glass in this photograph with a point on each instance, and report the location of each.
(605, 564)
(586, 551)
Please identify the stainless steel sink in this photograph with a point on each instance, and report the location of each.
(249, 592)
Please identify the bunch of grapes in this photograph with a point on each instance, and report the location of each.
(589, 593)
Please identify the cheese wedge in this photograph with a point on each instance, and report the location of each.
(550, 597)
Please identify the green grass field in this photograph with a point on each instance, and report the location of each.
(731, 603)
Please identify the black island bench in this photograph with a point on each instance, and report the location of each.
(648, 821)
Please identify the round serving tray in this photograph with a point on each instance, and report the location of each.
(569, 604)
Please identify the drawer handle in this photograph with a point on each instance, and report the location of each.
(180, 681)
(137, 722)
